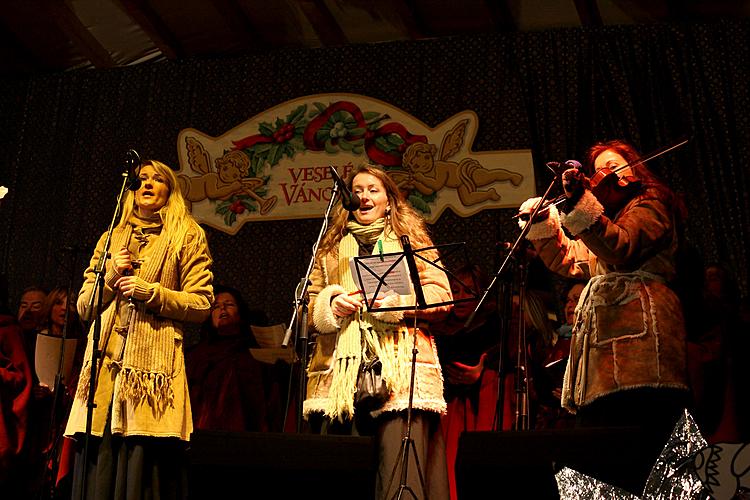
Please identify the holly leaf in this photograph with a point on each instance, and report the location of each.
(266, 129)
(297, 143)
(296, 114)
(419, 204)
(330, 148)
(395, 139)
(263, 148)
(275, 154)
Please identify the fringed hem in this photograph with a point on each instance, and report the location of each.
(586, 212)
(323, 318)
(82, 391)
(139, 386)
(316, 405)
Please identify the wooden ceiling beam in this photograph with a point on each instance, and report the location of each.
(406, 14)
(323, 21)
(240, 23)
(502, 16)
(409, 12)
(151, 24)
(78, 34)
(588, 12)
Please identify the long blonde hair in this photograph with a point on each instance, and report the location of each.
(402, 219)
(177, 220)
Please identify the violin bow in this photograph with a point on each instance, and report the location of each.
(654, 154)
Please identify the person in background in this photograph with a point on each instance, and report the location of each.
(157, 278)
(468, 356)
(718, 375)
(29, 316)
(627, 364)
(549, 378)
(54, 454)
(350, 334)
(15, 396)
(227, 385)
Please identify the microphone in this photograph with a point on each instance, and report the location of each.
(350, 201)
(133, 162)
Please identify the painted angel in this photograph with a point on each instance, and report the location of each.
(228, 180)
(427, 171)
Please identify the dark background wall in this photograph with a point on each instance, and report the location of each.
(555, 92)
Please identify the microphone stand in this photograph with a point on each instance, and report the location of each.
(301, 311)
(512, 251)
(516, 245)
(504, 310)
(97, 295)
(54, 436)
(407, 443)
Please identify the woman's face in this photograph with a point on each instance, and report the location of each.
(372, 196)
(153, 193)
(571, 301)
(462, 310)
(225, 313)
(57, 313)
(611, 159)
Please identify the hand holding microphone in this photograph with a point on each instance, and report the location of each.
(350, 201)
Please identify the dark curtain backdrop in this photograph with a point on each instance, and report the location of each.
(554, 92)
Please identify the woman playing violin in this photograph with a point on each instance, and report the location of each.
(627, 363)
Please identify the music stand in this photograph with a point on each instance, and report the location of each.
(381, 281)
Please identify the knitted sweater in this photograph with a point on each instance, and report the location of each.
(143, 376)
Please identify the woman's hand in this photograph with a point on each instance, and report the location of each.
(126, 285)
(343, 305)
(123, 262)
(461, 374)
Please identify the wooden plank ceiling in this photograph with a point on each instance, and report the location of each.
(46, 36)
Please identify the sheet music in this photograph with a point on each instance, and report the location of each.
(269, 336)
(269, 339)
(47, 358)
(396, 282)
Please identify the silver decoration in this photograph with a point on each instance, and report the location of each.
(673, 476)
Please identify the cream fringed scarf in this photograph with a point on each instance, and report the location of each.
(148, 360)
(362, 334)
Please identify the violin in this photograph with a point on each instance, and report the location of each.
(613, 191)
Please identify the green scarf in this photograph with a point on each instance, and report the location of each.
(361, 335)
